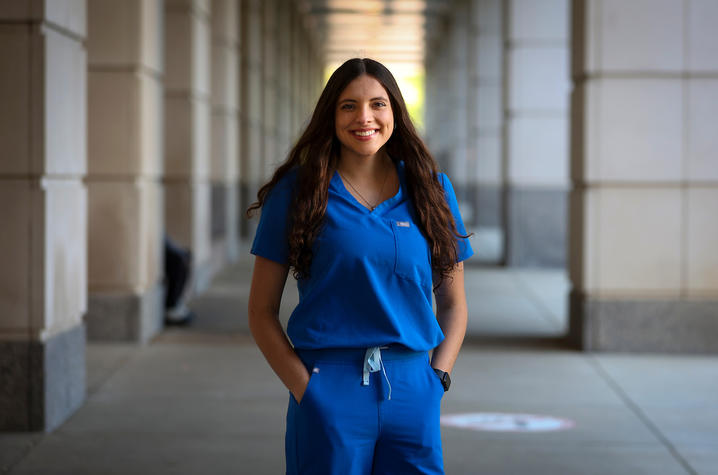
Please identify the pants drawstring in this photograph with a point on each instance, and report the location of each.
(372, 364)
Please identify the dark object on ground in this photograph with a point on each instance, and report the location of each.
(178, 268)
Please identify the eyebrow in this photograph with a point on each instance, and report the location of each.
(382, 98)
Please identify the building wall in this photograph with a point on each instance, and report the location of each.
(645, 176)
(224, 141)
(125, 121)
(122, 123)
(43, 204)
(536, 49)
(125, 160)
(498, 109)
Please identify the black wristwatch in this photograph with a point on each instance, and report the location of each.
(444, 378)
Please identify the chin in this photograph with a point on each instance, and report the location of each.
(367, 153)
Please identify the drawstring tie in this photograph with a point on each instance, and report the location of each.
(372, 364)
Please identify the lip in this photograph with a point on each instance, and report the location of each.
(364, 138)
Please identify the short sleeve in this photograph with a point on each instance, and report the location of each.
(271, 237)
(464, 247)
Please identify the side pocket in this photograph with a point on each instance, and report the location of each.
(435, 379)
(313, 375)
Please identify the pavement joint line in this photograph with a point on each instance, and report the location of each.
(544, 311)
(638, 412)
(120, 364)
(30, 447)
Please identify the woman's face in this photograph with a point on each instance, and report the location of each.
(363, 119)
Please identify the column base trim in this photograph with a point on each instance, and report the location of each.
(536, 227)
(485, 200)
(125, 317)
(43, 383)
(661, 326)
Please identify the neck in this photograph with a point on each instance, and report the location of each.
(351, 165)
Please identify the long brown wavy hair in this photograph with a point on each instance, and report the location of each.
(316, 154)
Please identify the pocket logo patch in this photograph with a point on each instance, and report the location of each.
(403, 224)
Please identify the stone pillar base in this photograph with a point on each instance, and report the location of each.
(202, 275)
(219, 259)
(133, 317)
(663, 326)
(485, 200)
(43, 383)
(536, 231)
(225, 229)
(218, 209)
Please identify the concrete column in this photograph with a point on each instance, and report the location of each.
(251, 98)
(283, 108)
(429, 85)
(224, 164)
(536, 115)
(444, 110)
(298, 120)
(306, 70)
(187, 131)
(270, 90)
(435, 98)
(458, 93)
(318, 76)
(438, 112)
(43, 204)
(124, 165)
(294, 54)
(239, 86)
(485, 121)
(643, 263)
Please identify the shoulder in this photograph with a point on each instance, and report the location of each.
(445, 182)
(279, 198)
(285, 187)
(288, 181)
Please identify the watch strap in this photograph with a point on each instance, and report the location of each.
(444, 378)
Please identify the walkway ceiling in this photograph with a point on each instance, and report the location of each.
(391, 31)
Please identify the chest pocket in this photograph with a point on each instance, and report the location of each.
(413, 261)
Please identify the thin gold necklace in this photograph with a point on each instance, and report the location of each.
(372, 207)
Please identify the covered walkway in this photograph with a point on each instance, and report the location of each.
(580, 138)
(203, 400)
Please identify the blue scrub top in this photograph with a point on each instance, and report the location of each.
(370, 281)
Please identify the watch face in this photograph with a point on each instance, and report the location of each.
(444, 378)
(446, 381)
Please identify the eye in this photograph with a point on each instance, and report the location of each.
(346, 107)
(379, 104)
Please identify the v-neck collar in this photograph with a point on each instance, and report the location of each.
(341, 189)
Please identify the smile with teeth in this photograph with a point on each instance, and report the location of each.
(364, 133)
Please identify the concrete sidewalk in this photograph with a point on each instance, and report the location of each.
(202, 400)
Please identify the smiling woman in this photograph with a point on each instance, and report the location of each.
(363, 123)
(370, 227)
(364, 120)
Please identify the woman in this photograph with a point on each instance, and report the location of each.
(369, 227)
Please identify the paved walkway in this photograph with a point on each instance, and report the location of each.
(203, 401)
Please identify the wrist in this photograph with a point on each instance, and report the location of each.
(444, 377)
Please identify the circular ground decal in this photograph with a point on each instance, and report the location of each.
(503, 422)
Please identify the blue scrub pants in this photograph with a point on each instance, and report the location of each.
(354, 422)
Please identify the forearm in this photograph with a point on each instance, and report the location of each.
(274, 345)
(452, 321)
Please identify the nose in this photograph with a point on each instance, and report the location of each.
(364, 114)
